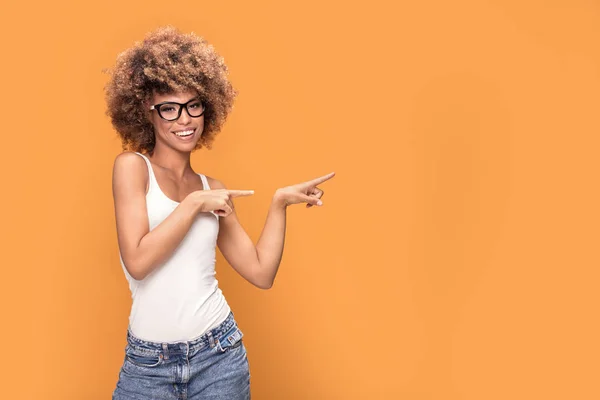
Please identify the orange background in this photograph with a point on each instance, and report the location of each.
(456, 255)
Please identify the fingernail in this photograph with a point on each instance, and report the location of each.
(319, 203)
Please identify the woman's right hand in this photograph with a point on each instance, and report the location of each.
(218, 200)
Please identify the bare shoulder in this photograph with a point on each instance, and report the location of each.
(215, 183)
(130, 169)
(129, 159)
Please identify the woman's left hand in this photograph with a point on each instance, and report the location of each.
(306, 192)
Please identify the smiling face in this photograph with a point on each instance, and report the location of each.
(183, 133)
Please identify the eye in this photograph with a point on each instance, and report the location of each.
(195, 105)
(167, 108)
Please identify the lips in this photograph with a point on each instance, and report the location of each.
(184, 133)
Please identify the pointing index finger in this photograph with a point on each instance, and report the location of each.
(239, 193)
(321, 179)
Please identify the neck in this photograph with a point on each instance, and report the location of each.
(175, 161)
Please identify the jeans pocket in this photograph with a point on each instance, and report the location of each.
(141, 358)
(230, 341)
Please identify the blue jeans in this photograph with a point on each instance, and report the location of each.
(213, 366)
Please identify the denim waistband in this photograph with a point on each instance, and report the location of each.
(184, 347)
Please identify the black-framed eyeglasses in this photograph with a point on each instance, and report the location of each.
(171, 111)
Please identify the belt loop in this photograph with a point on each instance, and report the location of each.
(211, 339)
(165, 350)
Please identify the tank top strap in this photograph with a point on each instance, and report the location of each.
(207, 187)
(151, 178)
(204, 182)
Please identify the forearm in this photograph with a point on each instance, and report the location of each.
(270, 244)
(158, 244)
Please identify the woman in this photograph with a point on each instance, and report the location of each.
(168, 96)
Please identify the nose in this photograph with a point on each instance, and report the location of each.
(184, 118)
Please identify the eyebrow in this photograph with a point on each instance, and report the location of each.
(172, 101)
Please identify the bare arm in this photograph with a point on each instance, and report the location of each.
(143, 250)
(270, 243)
(259, 264)
(258, 267)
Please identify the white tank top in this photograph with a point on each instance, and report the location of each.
(180, 300)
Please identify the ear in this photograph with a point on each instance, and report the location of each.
(147, 103)
(149, 116)
(148, 112)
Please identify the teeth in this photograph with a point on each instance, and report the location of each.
(184, 133)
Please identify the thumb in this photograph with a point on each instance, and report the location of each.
(311, 200)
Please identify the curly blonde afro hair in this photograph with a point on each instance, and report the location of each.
(166, 61)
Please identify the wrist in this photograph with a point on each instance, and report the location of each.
(279, 199)
(194, 201)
